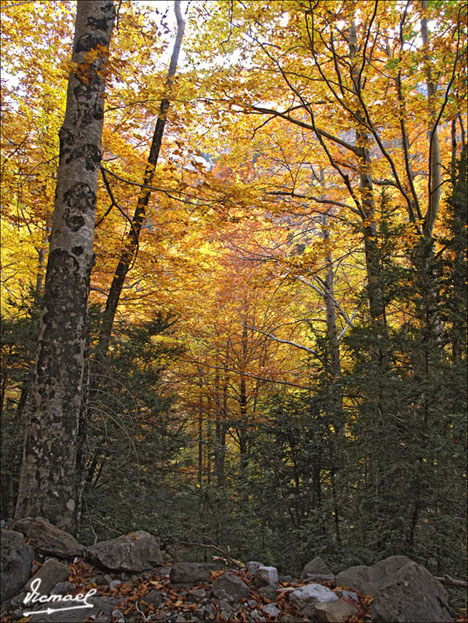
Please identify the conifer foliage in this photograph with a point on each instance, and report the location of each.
(284, 358)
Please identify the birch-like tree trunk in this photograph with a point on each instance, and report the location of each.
(48, 474)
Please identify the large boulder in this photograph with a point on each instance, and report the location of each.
(16, 560)
(191, 572)
(403, 591)
(316, 569)
(230, 587)
(411, 595)
(47, 538)
(369, 579)
(137, 551)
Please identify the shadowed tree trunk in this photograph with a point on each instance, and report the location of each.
(48, 474)
(130, 249)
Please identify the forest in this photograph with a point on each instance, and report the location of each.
(234, 302)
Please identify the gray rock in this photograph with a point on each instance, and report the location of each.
(316, 569)
(284, 579)
(403, 591)
(225, 607)
(411, 595)
(343, 594)
(153, 598)
(48, 539)
(257, 616)
(308, 596)
(230, 587)
(137, 551)
(272, 610)
(268, 592)
(252, 566)
(265, 576)
(115, 583)
(334, 612)
(15, 565)
(103, 605)
(191, 572)
(62, 588)
(197, 595)
(369, 579)
(51, 573)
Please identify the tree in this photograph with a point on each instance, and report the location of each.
(47, 481)
(130, 249)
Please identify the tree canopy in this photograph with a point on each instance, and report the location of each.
(284, 357)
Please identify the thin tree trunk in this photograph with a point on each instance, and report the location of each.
(48, 474)
(376, 302)
(435, 177)
(200, 439)
(130, 249)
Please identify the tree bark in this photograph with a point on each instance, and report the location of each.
(130, 249)
(435, 171)
(48, 474)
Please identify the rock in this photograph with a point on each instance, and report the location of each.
(153, 598)
(198, 594)
(268, 592)
(51, 573)
(369, 579)
(411, 595)
(402, 590)
(308, 596)
(165, 570)
(115, 583)
(334, 611)
(225, 607)
(348, 595)
(191, 572)
(316, 569)
(230, 587)
(104, 605)
(252, 566)
(16, 560)
(137, 551)
(272, 610)
(265, 576)
(285, 579)
(62, 588)
(164, 615)
(48, 539)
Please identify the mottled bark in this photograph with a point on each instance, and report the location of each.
(130, 249)
(48, 473)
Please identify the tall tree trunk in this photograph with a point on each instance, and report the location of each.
(435, 178)
(200, 439)
(48, 474)
(243, 423)
(332, 332)
(130, 249)
(376, 303)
